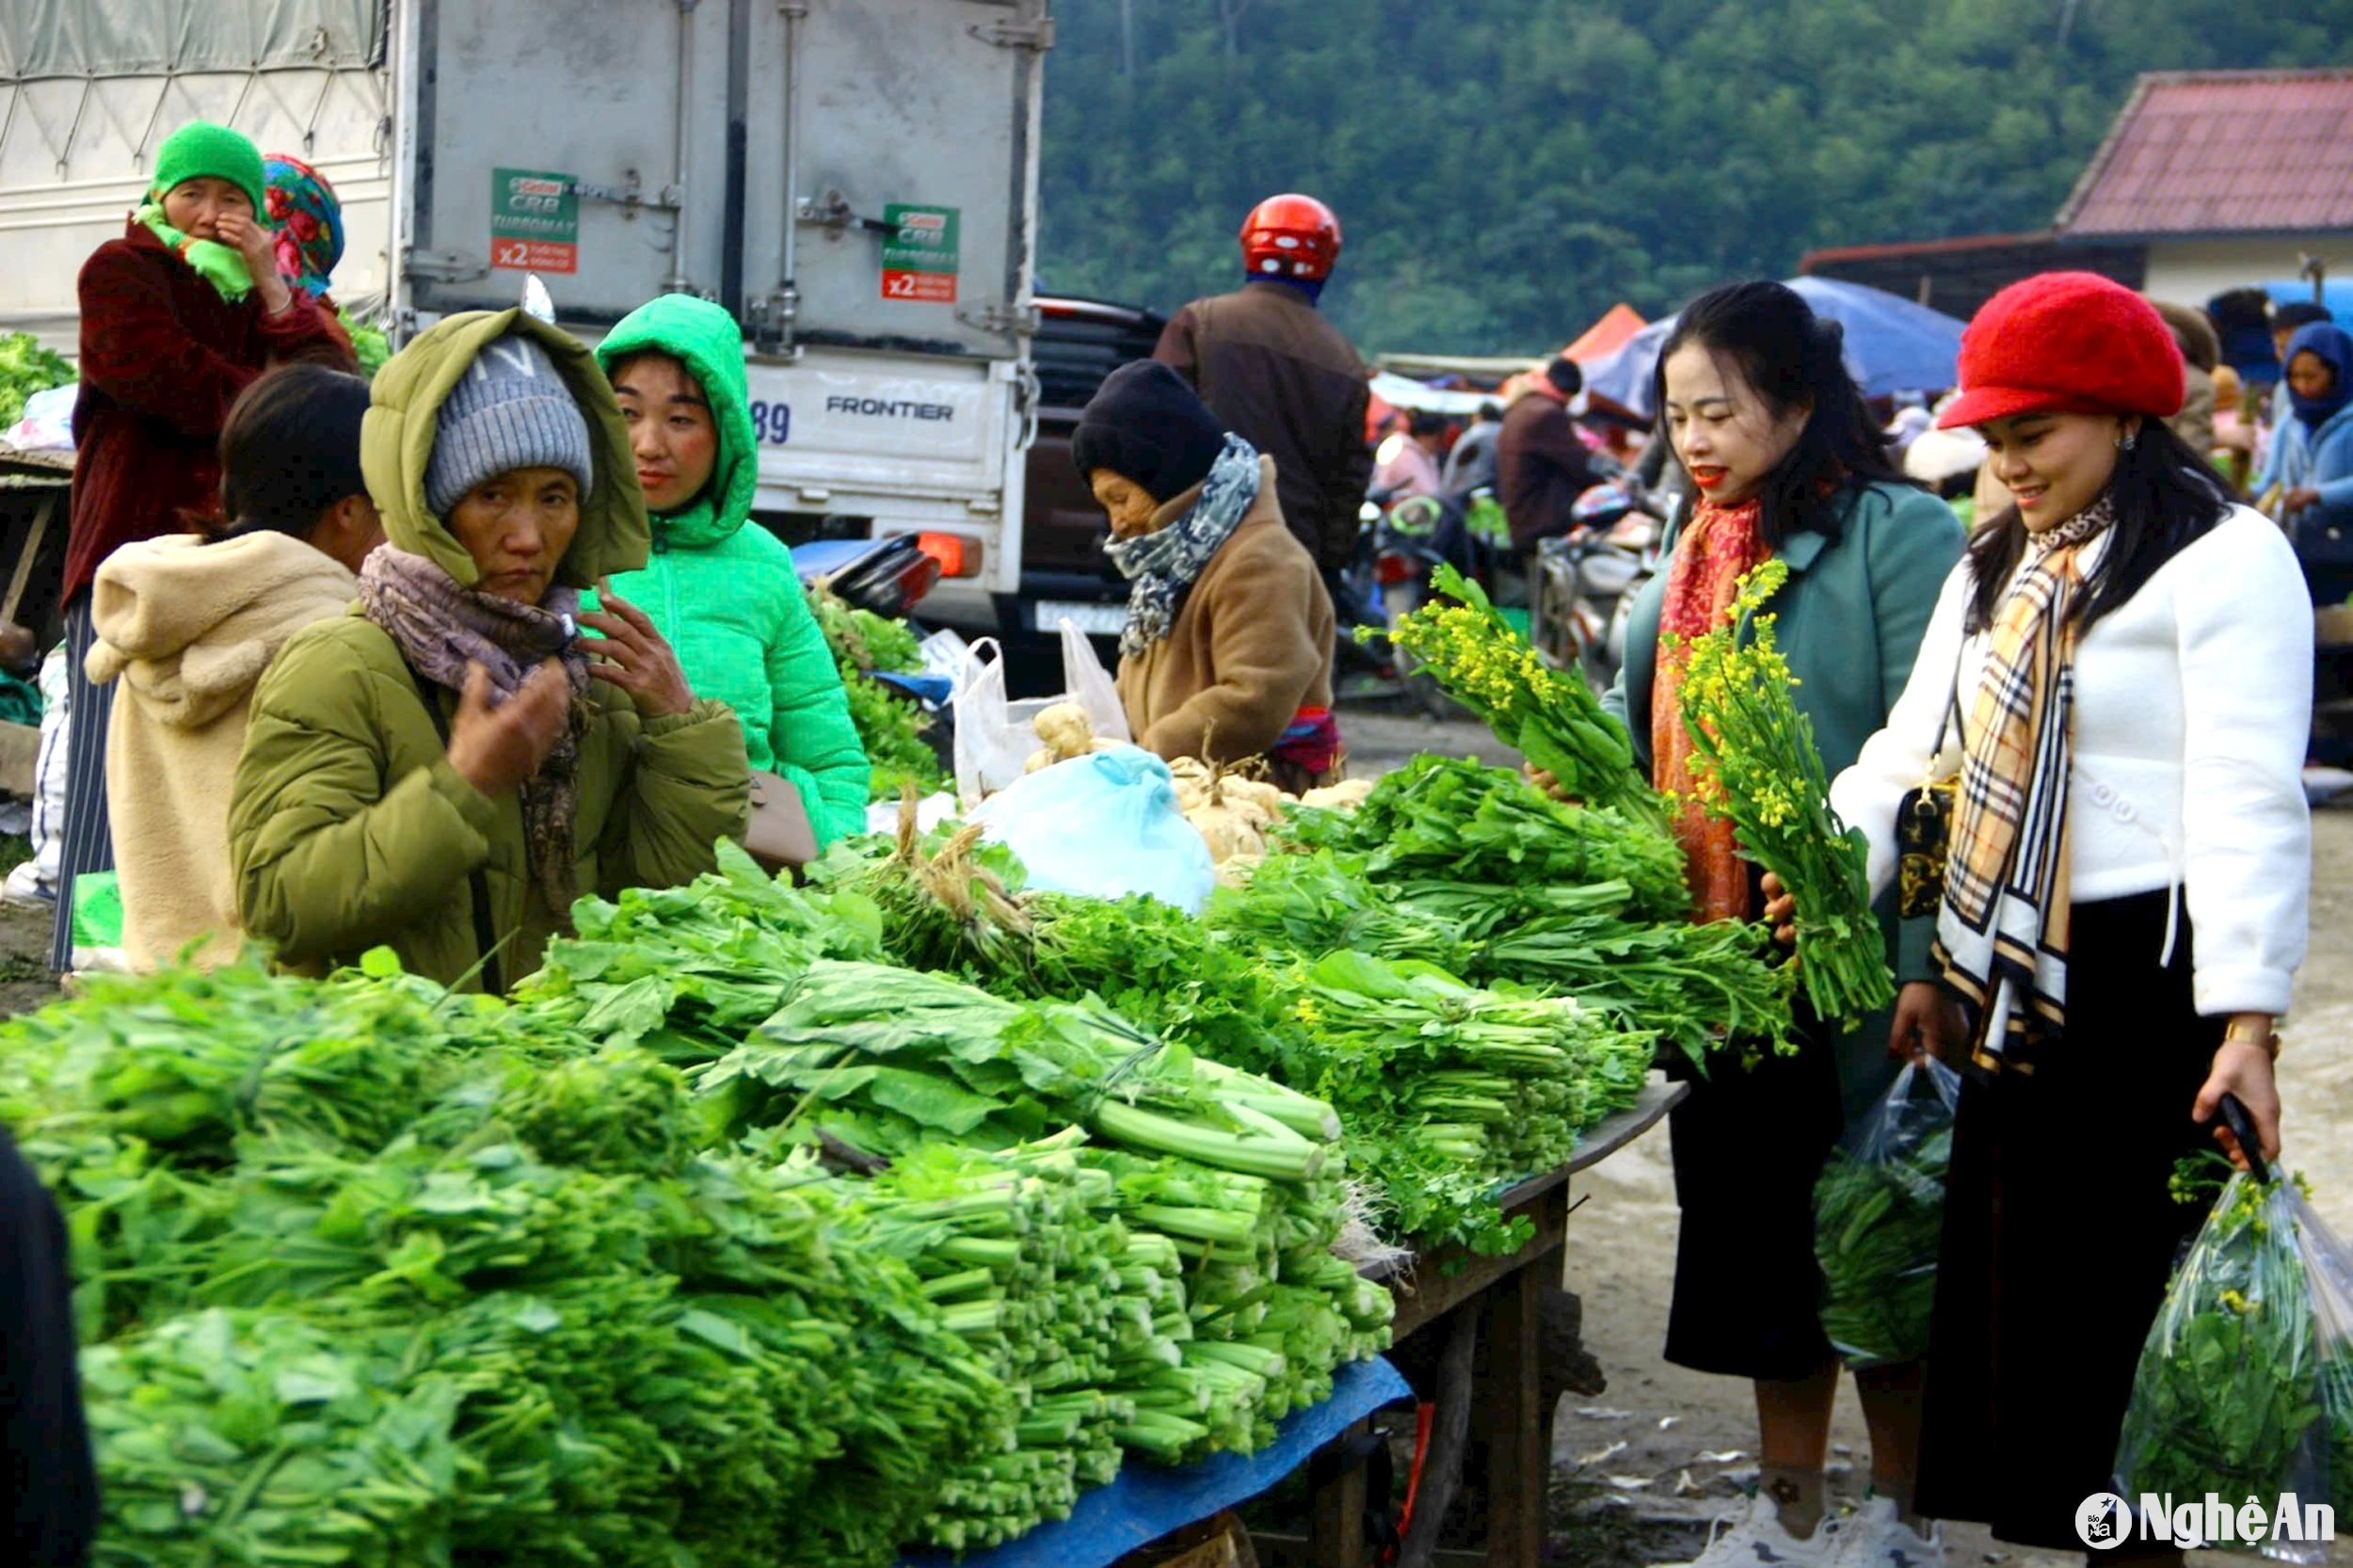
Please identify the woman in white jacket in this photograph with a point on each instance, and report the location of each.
(2119, 673)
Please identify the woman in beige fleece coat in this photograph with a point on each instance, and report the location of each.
(187, 625)
(1228, 650)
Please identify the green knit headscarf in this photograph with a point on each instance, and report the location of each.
(202, 150)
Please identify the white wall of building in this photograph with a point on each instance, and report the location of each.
(2190, 272)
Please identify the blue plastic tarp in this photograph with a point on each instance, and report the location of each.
(1147, 1502)
(1892, 345)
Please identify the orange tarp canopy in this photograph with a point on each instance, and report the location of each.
(1608, 335)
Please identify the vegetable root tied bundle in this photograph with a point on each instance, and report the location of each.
(1758, 768)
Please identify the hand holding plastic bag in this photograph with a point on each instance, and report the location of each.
(1879, 1218)
(2227, 1398)
(1104, 825)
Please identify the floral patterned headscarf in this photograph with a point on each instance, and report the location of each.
(309, 219)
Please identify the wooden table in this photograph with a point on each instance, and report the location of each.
(1507, 1292)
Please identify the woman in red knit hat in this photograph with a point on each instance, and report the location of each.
(2126, 660)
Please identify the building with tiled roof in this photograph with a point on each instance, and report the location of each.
(2226, 178)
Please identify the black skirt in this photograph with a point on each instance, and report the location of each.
(2059, 1235)
(1748, 1145)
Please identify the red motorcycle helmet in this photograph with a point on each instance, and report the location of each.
(1291, 236)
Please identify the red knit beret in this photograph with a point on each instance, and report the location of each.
(2066, 342)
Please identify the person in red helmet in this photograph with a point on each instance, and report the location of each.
(1281, 376)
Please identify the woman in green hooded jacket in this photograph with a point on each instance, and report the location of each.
(722, 588)
(445, 769)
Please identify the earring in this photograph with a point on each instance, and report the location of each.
(2128, 441)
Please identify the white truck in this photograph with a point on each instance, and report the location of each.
(854, 179)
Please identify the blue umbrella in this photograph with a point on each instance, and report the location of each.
(1892, 346)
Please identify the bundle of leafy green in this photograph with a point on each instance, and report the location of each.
(26, 368)
(2227, 1396)
(891, 727)
(689, 971)
(1879, 1216)
(1450, 820)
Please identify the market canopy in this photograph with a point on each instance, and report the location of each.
(1607, 336)
(1892, 345)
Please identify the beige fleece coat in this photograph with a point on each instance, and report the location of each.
(187, 628)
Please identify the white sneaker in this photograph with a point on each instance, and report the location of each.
(1752, 1536)
(1877, 1537)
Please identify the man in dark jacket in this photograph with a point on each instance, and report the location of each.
(1278, 374)
(44, 1449)
(1540, 465)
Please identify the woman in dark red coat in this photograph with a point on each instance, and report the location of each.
(179, 317)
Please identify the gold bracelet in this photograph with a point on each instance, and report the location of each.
(2269, 1040)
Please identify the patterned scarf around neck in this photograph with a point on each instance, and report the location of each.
(1717, 546)
(2001, 936)
(214, 261)
(1164, 563)
(440, 628)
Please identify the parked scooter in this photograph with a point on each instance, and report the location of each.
(889, 577)
(1586, 581)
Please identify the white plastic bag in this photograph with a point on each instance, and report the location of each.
(37, 878)
(1104, 825)
(995, 736)
(47, 422)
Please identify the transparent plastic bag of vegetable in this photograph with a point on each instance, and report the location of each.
(2227, 1398)
(2332, 1269)
(1879, 1217)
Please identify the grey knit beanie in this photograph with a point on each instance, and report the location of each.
(512, 410)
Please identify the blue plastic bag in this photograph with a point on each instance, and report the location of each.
(1104, 825)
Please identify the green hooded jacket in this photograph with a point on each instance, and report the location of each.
(727, 596)
(347, 827)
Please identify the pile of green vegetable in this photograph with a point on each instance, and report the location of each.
(373, 1274)
(26, 368)
(891, 727)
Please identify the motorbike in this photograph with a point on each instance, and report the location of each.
(1586, 581)
(887, 576)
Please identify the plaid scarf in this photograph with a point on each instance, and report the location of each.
(440, 628)
(2001, 936)
(1162, 564)
(1717, 546)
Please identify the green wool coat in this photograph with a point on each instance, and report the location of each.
(723, 589)
(347, 827)
(1850, 621)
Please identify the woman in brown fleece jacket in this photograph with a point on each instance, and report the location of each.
(1228, 650)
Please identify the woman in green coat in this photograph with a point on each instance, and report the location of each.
(720, 587)
(1788, 463)
(445, 769)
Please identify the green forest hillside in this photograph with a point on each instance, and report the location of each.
(1505, 168)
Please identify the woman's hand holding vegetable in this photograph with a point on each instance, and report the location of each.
(246, 235)
(635, 657)
(1548, 784)
(1781, 910)
(2243, 1068)
(497, 749)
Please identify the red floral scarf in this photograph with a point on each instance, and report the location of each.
(1718, 545)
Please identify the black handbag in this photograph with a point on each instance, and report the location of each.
(1924, 827)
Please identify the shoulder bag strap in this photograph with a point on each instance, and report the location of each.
(478, 885)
